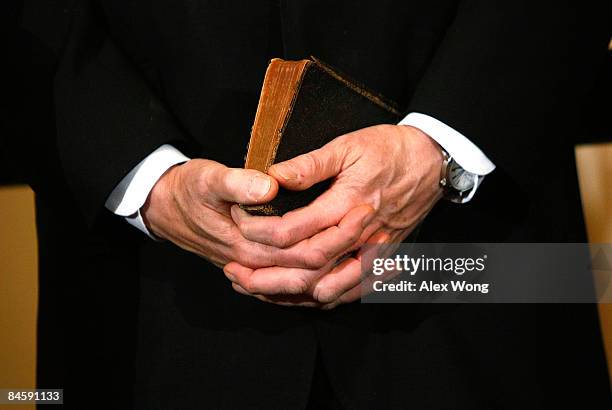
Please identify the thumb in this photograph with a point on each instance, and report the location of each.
(243, 186)
(305, 170)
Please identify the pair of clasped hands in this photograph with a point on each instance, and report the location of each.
(385, 179)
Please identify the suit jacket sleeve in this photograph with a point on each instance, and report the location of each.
(512, 76)
(108, 117)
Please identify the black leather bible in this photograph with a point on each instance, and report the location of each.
(303, 105)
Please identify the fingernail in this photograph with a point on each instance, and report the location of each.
(260, 185)
(286, 172)
(368, 218)
(383, 239)
(237, 213)
(229, 275)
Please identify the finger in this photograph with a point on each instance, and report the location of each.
(236, 272)
(310, 254)
(382, 248)
(251, 254)
(383, 244)
(377, 239)
(348, 297)
(343, 277)
(340, 282)
(305, 170)
(373, 247)
(363, 288)
(243, 186)
(328, 245)
(276, 280)
(240, 289)
(294, 226)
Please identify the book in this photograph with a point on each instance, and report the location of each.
(303, 105)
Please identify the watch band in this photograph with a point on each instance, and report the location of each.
(449, 192)
(444, 171)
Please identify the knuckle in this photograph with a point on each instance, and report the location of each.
(203, 180)
(281, 237)
(250, 287)
(208, 177)
(352, 235)
(248, 256)
(314, 163)
(316, 258)
(235, 244)
(388, 128)
(246, 260)
(297, 286)
(228, 177)
(242, 253)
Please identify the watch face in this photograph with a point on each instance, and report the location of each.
(460, 179)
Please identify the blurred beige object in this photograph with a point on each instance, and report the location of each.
(18, 290)
(595, 175)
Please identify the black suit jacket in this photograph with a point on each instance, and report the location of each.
(512, 76)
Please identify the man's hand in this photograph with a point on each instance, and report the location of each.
(190, 206)
(393, 169)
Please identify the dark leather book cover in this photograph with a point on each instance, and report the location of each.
(304, 105)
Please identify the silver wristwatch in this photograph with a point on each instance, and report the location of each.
(456, 181)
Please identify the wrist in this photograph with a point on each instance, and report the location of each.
(159, 201)
(425, 154)
(427, 141)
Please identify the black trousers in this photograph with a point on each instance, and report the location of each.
(322, 396)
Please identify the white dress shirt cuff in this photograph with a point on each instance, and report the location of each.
(463, 151)
(457, 145)
(130, 195)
